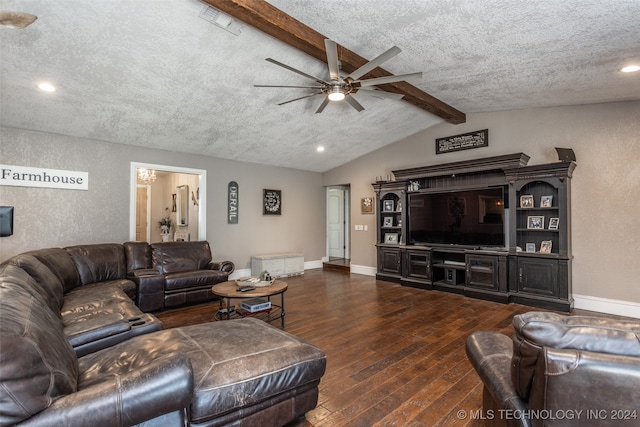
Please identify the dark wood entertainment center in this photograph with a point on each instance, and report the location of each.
(532, 265)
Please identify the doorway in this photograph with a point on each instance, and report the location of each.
(144, 224)
(338, 219)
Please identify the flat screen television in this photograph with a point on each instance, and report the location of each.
(473, 217)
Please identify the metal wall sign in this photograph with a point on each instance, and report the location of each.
(232, 203)
(24, 176)
(464, 141)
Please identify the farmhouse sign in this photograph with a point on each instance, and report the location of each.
(24, 176)
(465, 141)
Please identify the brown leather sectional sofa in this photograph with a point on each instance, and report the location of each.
(559, 370)
(75, 350)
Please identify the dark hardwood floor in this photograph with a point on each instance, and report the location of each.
(395, 355)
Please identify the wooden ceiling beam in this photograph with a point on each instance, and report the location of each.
(274, 22)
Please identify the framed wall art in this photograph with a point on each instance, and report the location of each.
(366, 205)
(271, 202)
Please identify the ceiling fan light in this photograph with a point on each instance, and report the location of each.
(631, 69)
(336, 94)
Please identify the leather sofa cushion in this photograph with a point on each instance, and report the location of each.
(174, 257)
(99, 263)
(236, 363)
(536, 330)
(48, 284)
(197, 278)
(61, 264)
(96, 299)
(138, 255)
(37, 363)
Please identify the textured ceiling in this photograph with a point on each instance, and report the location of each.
(154, 74)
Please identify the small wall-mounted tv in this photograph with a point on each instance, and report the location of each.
(474, 217)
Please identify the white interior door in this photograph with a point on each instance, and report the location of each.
(336, 223)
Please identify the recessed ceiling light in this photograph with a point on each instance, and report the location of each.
(320, 149)
(630, 69)
(46, 87)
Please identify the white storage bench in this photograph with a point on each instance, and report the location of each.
(278, 265)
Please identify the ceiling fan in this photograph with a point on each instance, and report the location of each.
(337, 88)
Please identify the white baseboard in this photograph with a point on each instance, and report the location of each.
(605, 305)
(363, 269)
(310, 265)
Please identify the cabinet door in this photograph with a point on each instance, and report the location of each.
(419, 265)
(482, 272)
(389, 261)
(538, 276)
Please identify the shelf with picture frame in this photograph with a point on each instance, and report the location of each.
(540, 244)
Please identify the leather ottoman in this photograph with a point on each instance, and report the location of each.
(245, 372)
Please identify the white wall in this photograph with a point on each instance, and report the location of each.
(605, 185)
(56, 218)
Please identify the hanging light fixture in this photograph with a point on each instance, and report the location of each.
(146, 176)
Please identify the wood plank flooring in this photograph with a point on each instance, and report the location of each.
(395, 355)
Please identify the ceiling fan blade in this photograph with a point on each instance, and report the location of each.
(317, 79)
(323, 105)
(381, 93)
(375, 62)
(302, 97)
(332, 59)
(388, 79)
(16, 19)
(299, 87)
(355, 104)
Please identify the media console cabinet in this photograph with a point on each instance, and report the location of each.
(530, 263)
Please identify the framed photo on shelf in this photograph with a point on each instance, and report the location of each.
(388, 206)
(535, 222)
(531, 247)
(546, 201)
(526, 201)
(553, 223)
(391, 238)
(545, 247)
(366, 205)
(388, 221)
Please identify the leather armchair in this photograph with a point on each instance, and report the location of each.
(169, 274)
(559, 370)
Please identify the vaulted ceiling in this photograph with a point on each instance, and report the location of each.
(158, 74)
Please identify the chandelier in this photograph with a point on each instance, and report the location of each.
(146, 176)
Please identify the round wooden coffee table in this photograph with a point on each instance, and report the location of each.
(229, 290)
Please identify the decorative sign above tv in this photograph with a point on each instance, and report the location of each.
(464, 141)
(24, 176)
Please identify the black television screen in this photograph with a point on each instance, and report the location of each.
(469, 217)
